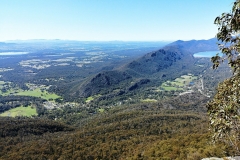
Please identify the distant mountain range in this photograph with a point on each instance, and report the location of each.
(169, 62)
(195, 46)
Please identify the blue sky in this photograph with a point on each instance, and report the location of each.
(106, 20)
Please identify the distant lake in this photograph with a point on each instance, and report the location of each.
(206, 54)
(12, 53)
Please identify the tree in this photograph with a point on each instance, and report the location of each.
(224, 108)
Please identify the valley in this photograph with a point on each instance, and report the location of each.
(107, 100)
(103, 74)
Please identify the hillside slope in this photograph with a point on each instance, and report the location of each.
(167, 63)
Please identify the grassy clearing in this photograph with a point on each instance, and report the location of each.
(2, 82)
(178, 83)
(189, 78)
(89, 99)
(20, 111)
(101, 110)
(39, 93)
(149, 100)
(35, 91)
(92, 98)
(169, 88)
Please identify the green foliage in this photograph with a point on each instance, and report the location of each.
(228, 34)
(224, 112)
(224, 108)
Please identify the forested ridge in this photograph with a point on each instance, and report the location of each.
(139, 131)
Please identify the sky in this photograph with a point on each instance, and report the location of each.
(110, 20)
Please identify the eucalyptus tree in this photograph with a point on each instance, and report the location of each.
(224, 108)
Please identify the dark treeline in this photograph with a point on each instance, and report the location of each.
(11, 127)
(9, 102)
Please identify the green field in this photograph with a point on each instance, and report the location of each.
(2, 82)
(170, 88)
(178, 84)
(38, 93)
(92, 98)
(89, 99)
(149, 100)
(20, 111)
(101, 110)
